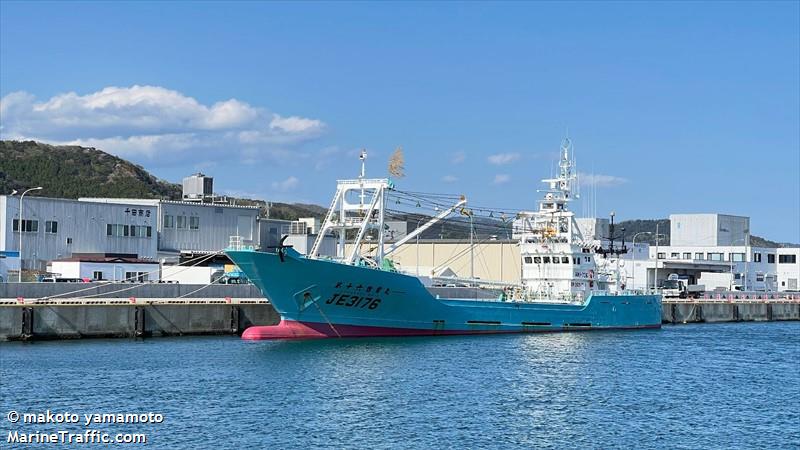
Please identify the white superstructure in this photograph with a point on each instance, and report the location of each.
(558, 259)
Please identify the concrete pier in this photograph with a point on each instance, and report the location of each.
(708, 311)
(74, 321)
(44, 311)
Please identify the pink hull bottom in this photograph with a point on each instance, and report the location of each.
(290, 329)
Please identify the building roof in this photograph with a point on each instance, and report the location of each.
(106, 258)
(156, 202)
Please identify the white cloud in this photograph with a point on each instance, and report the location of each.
(599, 180)
(286, 185)
(501, 178)
(149, 120)
(500, 159)
(458, 157)
(449, 179)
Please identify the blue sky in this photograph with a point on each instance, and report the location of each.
(674, 107)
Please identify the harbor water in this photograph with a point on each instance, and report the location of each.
(731, 385)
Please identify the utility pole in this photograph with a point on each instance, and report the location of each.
(655, 279)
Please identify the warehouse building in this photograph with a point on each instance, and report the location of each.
(187, 229)
(54, 228)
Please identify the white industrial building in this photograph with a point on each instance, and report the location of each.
(55, 228)
(712, 250)
(55, 231)
(788, 269)
(190, 228)
(92, 267)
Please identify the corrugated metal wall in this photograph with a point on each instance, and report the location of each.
(81, 229)
(216, 224)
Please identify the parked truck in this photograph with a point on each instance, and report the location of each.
(676, 287)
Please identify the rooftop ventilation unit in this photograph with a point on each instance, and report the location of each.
(198, 188)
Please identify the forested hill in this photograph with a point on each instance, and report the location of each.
(72, 172)
(69, 171)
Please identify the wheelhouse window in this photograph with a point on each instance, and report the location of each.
(546, 259)
(528, 260)
(537, 259)
(565, 259)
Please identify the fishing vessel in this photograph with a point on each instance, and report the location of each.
(567, 281)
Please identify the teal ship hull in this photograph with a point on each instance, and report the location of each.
(318, 298)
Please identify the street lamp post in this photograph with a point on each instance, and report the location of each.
(655, 277)
(633, 274)
(20, 227)
(744, 260)
(418, 222)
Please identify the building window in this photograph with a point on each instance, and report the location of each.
(771, 258)
(576, 261)
(687, 255)
(537, 259)
(181, 221)
(28, 226)
(661, 255)
(736, 257)
(136, 276)
(756, 257)
(194, 223)
(759, 277)
(715, 256)
(69, 241)
(699, 256)
(528, 260)
(787, 259)
(97, 275)
(51, 226)
(587, 259)
(169, 221)
(674, 255)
